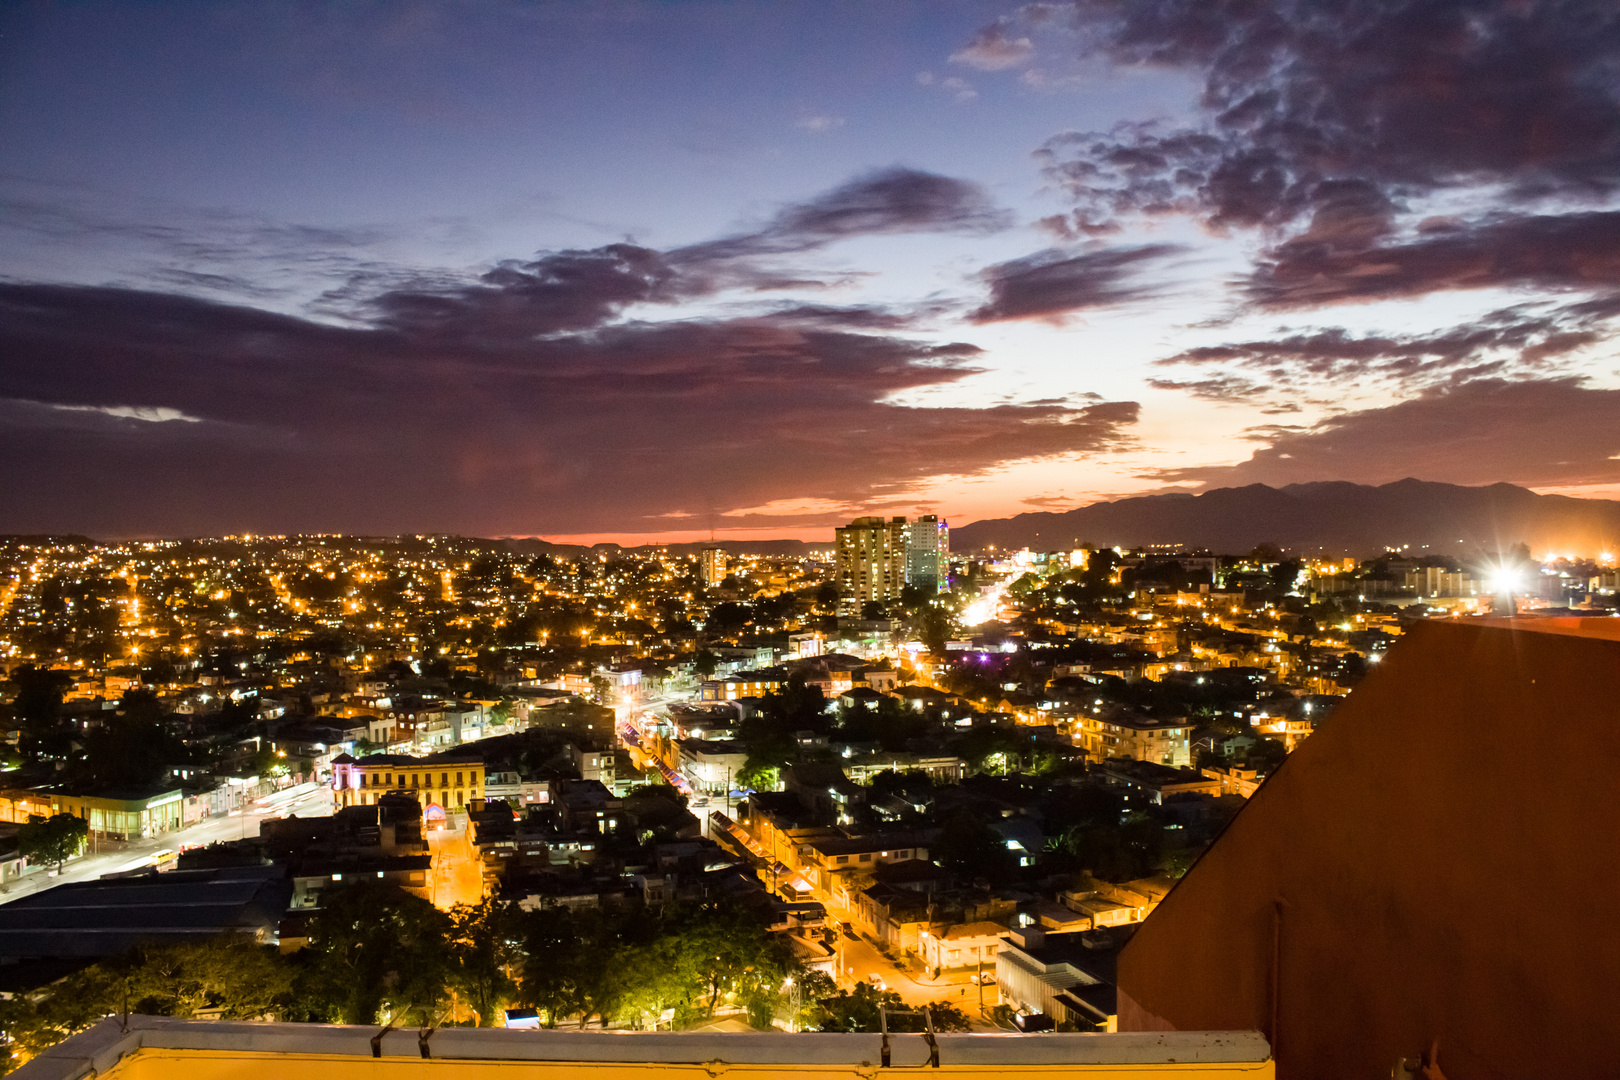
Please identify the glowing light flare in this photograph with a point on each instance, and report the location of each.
(1504, 579)
(980, 611)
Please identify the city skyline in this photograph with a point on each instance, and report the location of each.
(652, 274)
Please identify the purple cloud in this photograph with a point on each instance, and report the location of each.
(432, 423)
(1519, 341)
(1327, 125)
(1053, 283)
(883, 202)
(1534, 432)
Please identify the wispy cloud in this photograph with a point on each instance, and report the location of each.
(1053, 283)
(158, 414)
(820, 122)
(883, 202)
(993, 49)
(954, 85)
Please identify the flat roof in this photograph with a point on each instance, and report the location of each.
(859, 845)
(100, 918)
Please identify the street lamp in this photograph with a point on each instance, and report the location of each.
(793, 1016)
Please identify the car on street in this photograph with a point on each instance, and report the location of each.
(877, 981)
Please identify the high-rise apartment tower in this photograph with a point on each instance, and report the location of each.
(712, 565)
(871, 560)
(928, 550)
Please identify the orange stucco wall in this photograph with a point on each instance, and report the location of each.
(1437, 862)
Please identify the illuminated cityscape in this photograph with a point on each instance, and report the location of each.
(796, 540)
(889, 801)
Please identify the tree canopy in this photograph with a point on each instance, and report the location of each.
(55, 839)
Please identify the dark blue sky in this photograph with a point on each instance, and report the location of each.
(637, 269)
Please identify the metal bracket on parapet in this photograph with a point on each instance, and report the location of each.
(376, 1040)
(928, 1033)
(422, 1038)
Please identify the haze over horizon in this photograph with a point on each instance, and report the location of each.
(635, 273)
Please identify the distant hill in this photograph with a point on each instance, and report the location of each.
(1330, 518)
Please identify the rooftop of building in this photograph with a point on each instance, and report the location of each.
(1095, 952)
(340, 864)
(1137, 721)
(463, 756)
(114, 793)
(910, 872)
(982, 929)
(147, 1046)
(107, 917)
(1151, 773)
(712, 746)
(875, 843)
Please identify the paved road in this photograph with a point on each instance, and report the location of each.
(458, 872)
(305, 800)
(858, 958)
(861, 959)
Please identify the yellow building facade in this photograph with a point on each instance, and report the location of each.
(445, 781)
(154, 815)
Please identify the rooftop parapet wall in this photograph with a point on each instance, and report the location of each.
(1431, 864)
(155, 1048)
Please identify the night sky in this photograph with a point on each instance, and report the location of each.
(642, 271)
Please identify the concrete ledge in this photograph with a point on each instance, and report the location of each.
(103, 1046)
(85, 1054)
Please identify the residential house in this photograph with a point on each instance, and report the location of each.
(1067, 977)
(964, 946)
(840, 866)
(1117, 731)
(1155, 781)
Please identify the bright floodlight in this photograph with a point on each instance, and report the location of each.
(1504, 580)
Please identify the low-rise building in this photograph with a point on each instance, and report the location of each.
(109, 917)
(447, 781)
(1067, 977)
(1157, 782)
(831, 863)
(940, 768)
(957, 948)
(123, 815)
(744, 684)
(1234, 779)
(711, 767)
(1128, 734)
(1106, 903)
